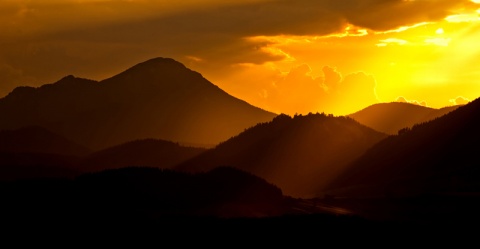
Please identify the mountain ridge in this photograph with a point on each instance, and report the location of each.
(299, 154)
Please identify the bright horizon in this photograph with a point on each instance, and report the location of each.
(283, 56)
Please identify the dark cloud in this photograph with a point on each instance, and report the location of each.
(383, 15)
(46, 40)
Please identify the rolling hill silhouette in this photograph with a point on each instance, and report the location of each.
(159, 98)
(392, 117)
(35, 139)
(148, 153)
(439, 156)
(300, 154)
(32, 152)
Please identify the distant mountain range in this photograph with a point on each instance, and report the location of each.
(35, 139)
(33, 152)
(440, 156)
(159, 98)
(392, 117)
(149, 152)
(300, 155)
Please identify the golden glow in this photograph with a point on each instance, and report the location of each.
(392, 41)
(464, 18)
(429, 64)
(404, 28)
(438, 41)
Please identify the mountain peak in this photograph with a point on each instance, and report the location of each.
(158, 63)
(157, 71)
(161, 60)
(68, 77)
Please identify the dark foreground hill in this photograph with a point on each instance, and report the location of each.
(301, 155)
(159, 98)
(392, 117)
(173, 207)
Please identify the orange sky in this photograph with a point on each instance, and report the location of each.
(294, 56)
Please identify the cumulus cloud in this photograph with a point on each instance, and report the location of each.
(459, 101)
(331, 76)
(300, 92)
(402, 99)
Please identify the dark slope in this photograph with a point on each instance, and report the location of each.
(300, 155)
(141, 193)
(434, 157)
(148, 152)
(392, 117)
(159, 98)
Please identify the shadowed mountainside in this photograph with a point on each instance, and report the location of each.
(148, 152)
(440, 156)
(159, 98)
(392, 117)
(300, 154)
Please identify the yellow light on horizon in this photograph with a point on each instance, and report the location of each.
(440, 31)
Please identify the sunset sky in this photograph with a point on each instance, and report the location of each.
(290, 56)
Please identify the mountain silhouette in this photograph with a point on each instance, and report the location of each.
(159, 98)
(148, 153)
(439, 156)
(300, 154)
(391, 117)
